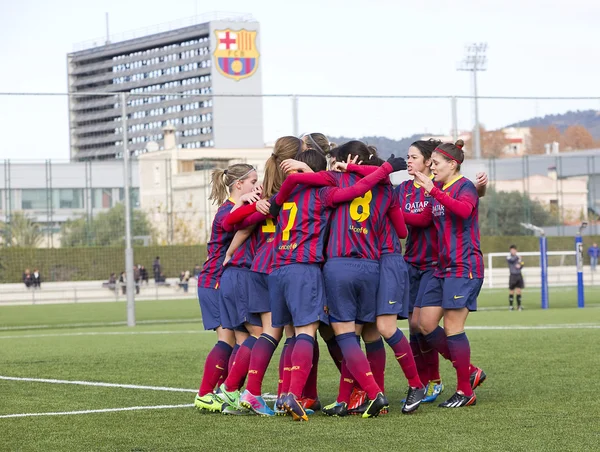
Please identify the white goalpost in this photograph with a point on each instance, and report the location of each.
(562, 269)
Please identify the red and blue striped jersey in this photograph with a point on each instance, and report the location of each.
(302, 226)
(216, 249)
(265, 233)
(389, 243)
(354, 225)
(422, 243)
(458, 238)
(244, 255)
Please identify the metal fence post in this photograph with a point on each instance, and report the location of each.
(130, 287)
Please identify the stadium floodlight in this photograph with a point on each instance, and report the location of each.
(543, 260)
(475, 61)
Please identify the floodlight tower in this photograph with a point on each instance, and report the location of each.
(475, 60)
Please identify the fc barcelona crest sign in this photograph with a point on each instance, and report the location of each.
(236, 55)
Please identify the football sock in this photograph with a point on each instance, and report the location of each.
(404, 355)
(357, 364)
(376, 357)
(310, 390)
(346, 384)
(262, 352)
(287, 366)
(302, 358)
(232, 357)
(239, 369)
(431, 360)
(416, 346)
(214, 366)
(282, 366)
(460, 351)
(437, 339)
(335, 352)
(519, 300)
(510, 299)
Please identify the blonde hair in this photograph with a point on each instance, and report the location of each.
(318, 142)
(285, 148)
(222, 180)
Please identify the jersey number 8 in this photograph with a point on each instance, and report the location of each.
(360, 208)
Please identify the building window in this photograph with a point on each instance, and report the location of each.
(68, 198)
(135, 196)
(102, 198)
(32, 199)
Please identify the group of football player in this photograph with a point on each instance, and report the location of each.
(314, 248)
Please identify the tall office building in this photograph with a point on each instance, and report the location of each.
(177, 77)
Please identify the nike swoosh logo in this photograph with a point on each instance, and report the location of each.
(408, 407)
(392, 302)
(456, 297)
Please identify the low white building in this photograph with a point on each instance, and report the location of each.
(50, 193)
(175, 186)
(569, 194)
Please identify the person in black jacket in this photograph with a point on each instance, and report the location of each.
(36, 279)
(156, 269)
(143, 274)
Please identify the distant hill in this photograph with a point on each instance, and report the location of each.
(590, 119)
(385, 146)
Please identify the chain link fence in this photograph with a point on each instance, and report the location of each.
(73, 209)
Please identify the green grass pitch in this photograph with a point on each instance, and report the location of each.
(542, 390)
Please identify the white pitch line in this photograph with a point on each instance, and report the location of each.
(575, 326)
(105, 333)
(135, 333)
(95, 383)
(93, 324)
(105, 410)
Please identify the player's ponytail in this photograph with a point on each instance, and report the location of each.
(318, 142)
(285, 148)
(223, 179)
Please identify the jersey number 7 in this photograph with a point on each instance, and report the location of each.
(293, 208)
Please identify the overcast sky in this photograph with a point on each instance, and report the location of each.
(375, 47)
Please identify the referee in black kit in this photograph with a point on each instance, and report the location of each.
(515, 282)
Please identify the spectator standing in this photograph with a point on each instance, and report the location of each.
(156, 269)
(36, 279)
(515, 282)
(197, 270)
(594, 253)
(185, 280)
(137, 278)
